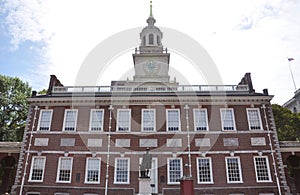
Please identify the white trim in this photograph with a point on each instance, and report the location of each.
(167, 119)
(58, 169)
(40, 118)
(129, 117)
(210, 170)
(233, 117)
(86, 171)
(91, 117)
(168, 172)
(259, 117)
(239, 166)
(128, 171)
(31, 168)
(268, 169)
(154, 120)
(65, 115)
(206, 118)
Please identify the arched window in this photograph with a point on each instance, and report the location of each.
(144, 40)
(151, 39)
(158, 40)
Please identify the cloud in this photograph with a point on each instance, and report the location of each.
(22, 19)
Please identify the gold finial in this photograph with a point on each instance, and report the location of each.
(151, 8)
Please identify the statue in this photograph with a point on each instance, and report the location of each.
(146, 165)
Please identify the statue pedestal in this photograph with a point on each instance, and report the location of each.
(144, 186)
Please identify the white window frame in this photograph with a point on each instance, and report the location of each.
(59, 168)
(31, 169)
(65, 118)
(128, 171)
(268, 169)
(40, 120)
(129, 120)
(239, 169)
(168, 170)
(61, 193)
(222, 119)
(167, 121)
(92, 122)
(154, 121)
(86, 170)
(210, 171)
(195, 119)
(259, 118)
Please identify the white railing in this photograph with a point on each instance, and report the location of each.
(180, 88)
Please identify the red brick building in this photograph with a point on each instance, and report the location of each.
(90, 140)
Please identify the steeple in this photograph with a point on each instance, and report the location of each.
(151, 19)
(151, 35)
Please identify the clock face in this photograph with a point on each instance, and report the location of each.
(151, 67)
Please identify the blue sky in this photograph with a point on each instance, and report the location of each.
(43, 37)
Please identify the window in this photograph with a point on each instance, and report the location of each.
(96, 120)
(122, 171)
(158, 40)
(204, 170)
(233, 170)
(227, 117)
(45, 120)
(200, 120)
(151, 39)
(70, 120)
(262, 169)
(148, 119)
(61, 193)
(123, 123)
(37, 168)
(174, 170)
(254, 119)
(92, 173)
(173, 120)
(64, 169)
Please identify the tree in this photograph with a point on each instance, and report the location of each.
(287, 123)
(13, 108)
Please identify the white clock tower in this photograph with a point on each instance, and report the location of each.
(151, 60)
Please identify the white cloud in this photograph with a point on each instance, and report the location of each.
(241, 36)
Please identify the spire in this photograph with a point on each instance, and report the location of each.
(151, 15)
(151, 19)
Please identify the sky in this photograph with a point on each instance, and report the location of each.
(39, 38)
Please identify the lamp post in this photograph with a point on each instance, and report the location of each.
(291, 59)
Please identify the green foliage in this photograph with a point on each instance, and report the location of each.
(13, 108)
(287, 123)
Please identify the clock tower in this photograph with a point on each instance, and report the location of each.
(151, 60)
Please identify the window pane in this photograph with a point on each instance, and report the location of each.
(204, 170)
(92, 172)
(173, 120)
(148, 120)
(200, 119)
(64, 173)
(70, 120)
(262, 169)
(233, 170)
(45, 120)
(122, 171)
(174, 170)
(227, 119)
(254, 119)
(123, 120)
(96, 120)
(37, 168)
